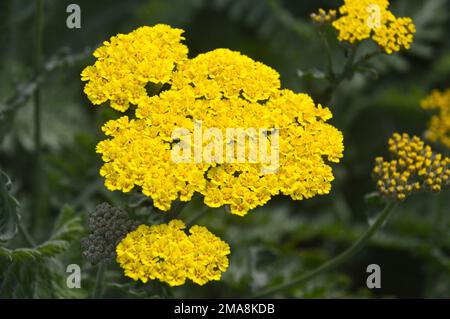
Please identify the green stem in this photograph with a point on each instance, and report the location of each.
(438, 222)
(174, 213)
(197, 217)
(330, 66)
(6, 279)
(37, 191)
(26, 235)
(99, 281)
(367, 58)
(38, 69)
(338, 260)
(347, 72)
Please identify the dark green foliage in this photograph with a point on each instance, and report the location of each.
(9, 215)
(35, 272)
(270, 245)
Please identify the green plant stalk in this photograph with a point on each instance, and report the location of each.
(349, 68)
(99, 280)
(194, 220)
(38, 70)
(26, 235)
(347, 72)
(175, 212)
(338, 260)
(330, 66)
(37, 112)
(6, 278)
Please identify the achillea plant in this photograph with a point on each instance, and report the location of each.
(363, 19)
(165, 252)
(414, 167)
(439, 125)
(128, 62)
(221, 89)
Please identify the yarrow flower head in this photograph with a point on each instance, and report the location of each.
(219, 89)
(128, 62)
(414, 167)
(165, 252)
(364, 19)
(439, 125)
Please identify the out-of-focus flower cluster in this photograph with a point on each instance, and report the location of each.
(107, 226)
(363, 19)
(324, 17)
(219, 89)
(414, 167)
(439, 126)
(165, 252)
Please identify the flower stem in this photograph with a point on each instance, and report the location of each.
(99, 281)
(197, 217)
(37, 186)
(38, 68)
(26, 235)
(338, 260)
(347, 72)
(330, 64)
(175, 212)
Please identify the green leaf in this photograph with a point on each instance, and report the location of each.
(9, 214)
(25, 254)
(68, 226)
(375, 204)
(53, 247)
(5, 252)
(67, 229)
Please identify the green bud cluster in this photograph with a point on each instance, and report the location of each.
(107, 227)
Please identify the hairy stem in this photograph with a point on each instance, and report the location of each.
(26, 235)
(99, 281)
(338, 260)
(37, 174)
(38, 70)
(347, 71)
(330, 66)
(175, 212)
(199, 215)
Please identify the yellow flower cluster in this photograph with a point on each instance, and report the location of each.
(323, 17)
(220, 89)
(363, 19)
(439, 126)
(165, 252)
(128, 62)
(415, 167)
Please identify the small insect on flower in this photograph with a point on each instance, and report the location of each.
(439, 125)
(165, 252)
(363, 19)
(414, 167)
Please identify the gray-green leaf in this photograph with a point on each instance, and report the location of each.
(9, 214)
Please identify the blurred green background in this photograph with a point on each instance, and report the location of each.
(270, 244)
